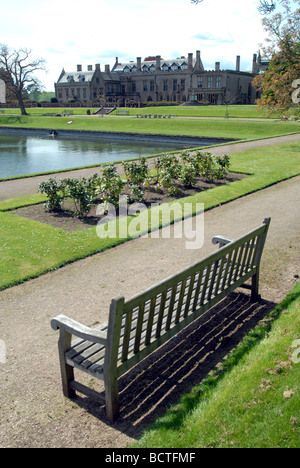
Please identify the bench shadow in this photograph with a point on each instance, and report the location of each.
(158, 382)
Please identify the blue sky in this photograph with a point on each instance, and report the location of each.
(71, 32)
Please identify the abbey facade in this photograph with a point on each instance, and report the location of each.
(181, 80)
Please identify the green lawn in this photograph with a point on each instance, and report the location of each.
(234, 111)
(249, 111)
(49, 110)
(236, 408)
(212, 128)
(252, 403)
(29, 248)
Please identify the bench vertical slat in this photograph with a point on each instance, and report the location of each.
(255, 250)
(228, 265)
(180, 301)
(150, 321)
(126, 337)
(249, 263)
(204, 289)
(189, 296)
(246, 256)
(139, 328)
(250, 253)
(213, 280)
(171, 307)
(198, 288)
(221, 270)
(231, 268)
(238, 264)
(161, 313)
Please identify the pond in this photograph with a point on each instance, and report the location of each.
(29, 154)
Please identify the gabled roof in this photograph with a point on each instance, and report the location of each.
(81, 76)
(120, 67)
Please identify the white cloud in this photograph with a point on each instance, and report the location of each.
(69, 32)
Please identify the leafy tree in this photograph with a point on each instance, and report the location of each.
(17, 69)
(265, 7)
(283, 49)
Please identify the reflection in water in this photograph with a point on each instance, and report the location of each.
(27, 155)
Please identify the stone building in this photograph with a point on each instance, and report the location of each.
(181, 80)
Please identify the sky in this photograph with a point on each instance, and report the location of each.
(70, 32)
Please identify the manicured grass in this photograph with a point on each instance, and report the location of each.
(50, 110)
(234, 111)
(29, 248)
(249, 112)
(251, 402)
(212, 128)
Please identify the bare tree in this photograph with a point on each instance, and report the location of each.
(18, 72)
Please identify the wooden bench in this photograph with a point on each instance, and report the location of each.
(140, 325)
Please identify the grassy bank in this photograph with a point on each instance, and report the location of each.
(30, 248)
(247, 111)
(252, 401)
(182, 126)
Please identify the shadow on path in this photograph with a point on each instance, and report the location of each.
(158, 382)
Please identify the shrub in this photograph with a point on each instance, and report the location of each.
(187, 175)
(136, 173)
(83, 192)
(136, 193)
(55, 192)
(111, 185)
(211, 168)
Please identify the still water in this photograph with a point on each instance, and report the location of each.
(21, 154)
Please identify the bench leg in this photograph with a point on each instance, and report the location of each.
(112, 398)
(255, 285)
(67, 372)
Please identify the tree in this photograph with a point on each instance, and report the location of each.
(265, 7)
(283, 50)
(17, 69)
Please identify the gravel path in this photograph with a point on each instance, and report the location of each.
(33, 412)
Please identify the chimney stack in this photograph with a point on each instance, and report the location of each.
(158, 59)
(139, 63)
(238, 62)
(97, 67)
(79, 68)
(90, 67)
(254, 64)
(107, 69)
(217, 66)
(190, 61)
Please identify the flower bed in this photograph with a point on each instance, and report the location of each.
(171, 174)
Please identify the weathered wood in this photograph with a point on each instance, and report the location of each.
(111, 357)
(140, 325)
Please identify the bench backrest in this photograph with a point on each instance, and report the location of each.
(142, 324)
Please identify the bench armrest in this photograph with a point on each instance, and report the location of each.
(221, 240)
(81, 331)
